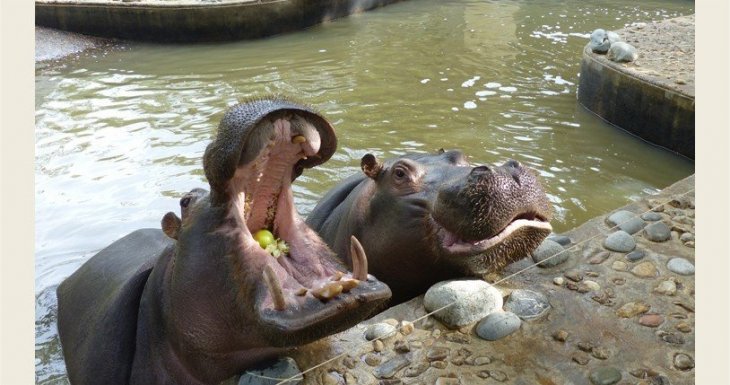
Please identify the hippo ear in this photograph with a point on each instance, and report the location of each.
(441, 151)
(371, 166)
(171, 225)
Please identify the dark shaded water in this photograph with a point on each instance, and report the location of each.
(119, 138)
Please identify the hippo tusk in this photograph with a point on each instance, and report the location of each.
(359, 260)
(299, 139)
(305, 134)
(272, 282)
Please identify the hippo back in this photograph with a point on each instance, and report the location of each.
(98, 305)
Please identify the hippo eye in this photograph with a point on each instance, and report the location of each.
(399, 173)
(185, 202)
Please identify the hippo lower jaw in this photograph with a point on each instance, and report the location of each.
(303, 293)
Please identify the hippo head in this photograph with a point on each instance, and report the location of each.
(424, 218)
(293, 291)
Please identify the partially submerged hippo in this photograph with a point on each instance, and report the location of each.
(427, 218)
(149, 309)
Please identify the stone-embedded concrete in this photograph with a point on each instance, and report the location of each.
(647, 98)
(635, 323)
(193, 20)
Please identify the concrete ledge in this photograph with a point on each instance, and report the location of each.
(192, 21)
(640, 105)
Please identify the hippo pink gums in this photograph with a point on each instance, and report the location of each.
(426, 218)
(204, 306)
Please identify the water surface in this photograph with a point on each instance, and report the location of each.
(119, 137)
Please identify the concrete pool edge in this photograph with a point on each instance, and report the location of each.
(638, 104)
(187, 21)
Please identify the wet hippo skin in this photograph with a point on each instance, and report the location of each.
(423, 218)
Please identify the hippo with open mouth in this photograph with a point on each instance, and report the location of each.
(202, 301)
(427, 218)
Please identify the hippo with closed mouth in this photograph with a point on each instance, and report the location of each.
(424, 218)
(202, 301)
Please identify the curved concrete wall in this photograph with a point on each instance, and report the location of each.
(639, 105)
(182, 21)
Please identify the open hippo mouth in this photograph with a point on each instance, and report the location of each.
(303, 291)
(499, 215)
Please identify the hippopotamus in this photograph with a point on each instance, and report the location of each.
(424, 218)
(202, 300)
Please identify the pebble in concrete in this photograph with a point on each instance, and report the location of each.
(651, 216)
(605, 376)
(560, 239)
(498, 325)
(622, 52)
(527, 304)
(472, 300)
(379, 330)
(657, 232)
(681, 266)
(683, 361)
(645, 270)
(635, 255)
(620, 241)
(668, 287)
(632, 309)
(285, 367)
(626, 221)
(549, 254)
(392, 366)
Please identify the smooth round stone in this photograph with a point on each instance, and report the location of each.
(591, 285)
(645, 270)
(683, 361)
(657, 232)
(651, 216)
(635, 255)
(560, 239)
(626, 221)
(599, 41)
(668, 287)
(622, 52)
(681, 266)
(472, 300)
(544, 254)
(687, 237)
(632, 309)
(620, 241)
(285, 367)
(498, 325)
(619, 266)
(605, 376)
(378, 330)
(527, 304)
(651, 320)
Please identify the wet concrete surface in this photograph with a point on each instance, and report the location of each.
(633, 325)
(53, 45)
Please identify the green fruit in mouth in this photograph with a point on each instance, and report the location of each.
(264, 238)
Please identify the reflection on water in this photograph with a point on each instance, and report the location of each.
(120, 138)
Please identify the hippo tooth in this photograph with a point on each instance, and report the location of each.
(328, 291)
(299, 139)
(348, 284)
(301, 292)
(359, 260)
(272, 282)
(338, 275)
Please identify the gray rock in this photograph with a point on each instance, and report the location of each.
(687, 237)
(599, 41)
(560, 239)
(620, 241)
(657, 232)
(527, 304)
(626, 221)
(282, 369)
(549, 254)
(605, 376)
(681, 266)
(498, 325)
(378, 330)
(622, 52)
(635, 255)
(473, 300)
(613, 37)
(392, 366)
(651, 216)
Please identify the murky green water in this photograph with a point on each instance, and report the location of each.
(120, 137)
